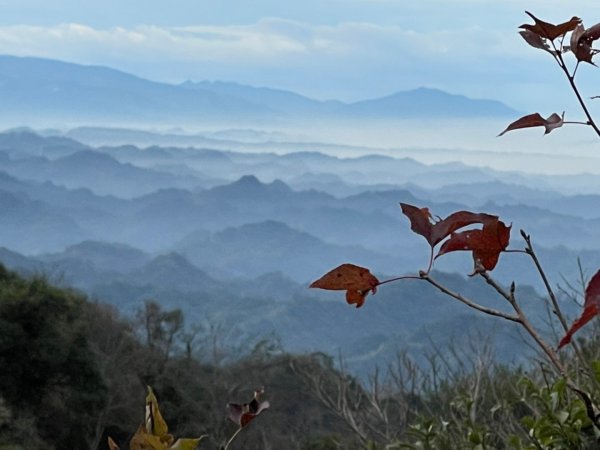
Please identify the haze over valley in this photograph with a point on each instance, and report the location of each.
(229, 221)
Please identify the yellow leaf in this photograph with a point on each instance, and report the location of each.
(112, 445)
(142, 440)
(155, 424)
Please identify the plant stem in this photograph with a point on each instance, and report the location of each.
(405, 277)
(555, 308)
(543, 345)
(524, 321)
(573, 122)
(232, 438)
(466, 301)
(430, 261)
(571, 78)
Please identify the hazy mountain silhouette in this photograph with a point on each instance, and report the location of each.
(35, 89)
(104, 256)
(258, 248)
(96, 171)
(429, 103)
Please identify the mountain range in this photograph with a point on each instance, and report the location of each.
(42, 91)
(56, 193)
(234, 237)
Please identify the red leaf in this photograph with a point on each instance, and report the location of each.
(548, 30)
(486, 244)
(356, 297)
(581, 42)
(421, 222)
(355, 280)
(535, 120)
(244, 413)
(592, 32)
(591, 308)
(535, 40)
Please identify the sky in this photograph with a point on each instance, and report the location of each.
(340, 49)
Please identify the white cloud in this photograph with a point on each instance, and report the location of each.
(348, 60)
(260, 43)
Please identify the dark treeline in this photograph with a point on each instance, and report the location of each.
(73, 372)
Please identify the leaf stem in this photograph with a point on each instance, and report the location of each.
(570, 122)
(430, 261)
(405, 277)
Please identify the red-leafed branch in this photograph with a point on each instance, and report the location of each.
(551, 39)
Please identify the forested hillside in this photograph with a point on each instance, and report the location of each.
(75, 372)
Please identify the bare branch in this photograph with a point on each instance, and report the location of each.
(466, 301)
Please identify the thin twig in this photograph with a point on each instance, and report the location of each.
(430, 265)
(569, 122)
(524, 321)
(556, 309)
(466, 301)
(571, 78)
(232, 438)
(405, 277)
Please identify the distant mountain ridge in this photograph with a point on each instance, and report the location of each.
(36, 89)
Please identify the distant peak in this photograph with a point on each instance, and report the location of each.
(279, 185)
(248, 180)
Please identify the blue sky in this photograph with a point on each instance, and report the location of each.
(345, 49)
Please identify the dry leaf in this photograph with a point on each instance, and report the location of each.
(535, 40)
(355, 280)
(591, 308)
(550, 31)
(422, 222)
(244, 413)
(581, 42)
(486, 244)
(536, 120)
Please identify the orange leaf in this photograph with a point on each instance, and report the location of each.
(535, 120)
(356, 280)
(486, 244)
(356, 297)
(550, 31)
(591, 308)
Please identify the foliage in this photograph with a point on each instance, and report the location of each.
(47, 364)
(356, 281)
(154, 433)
